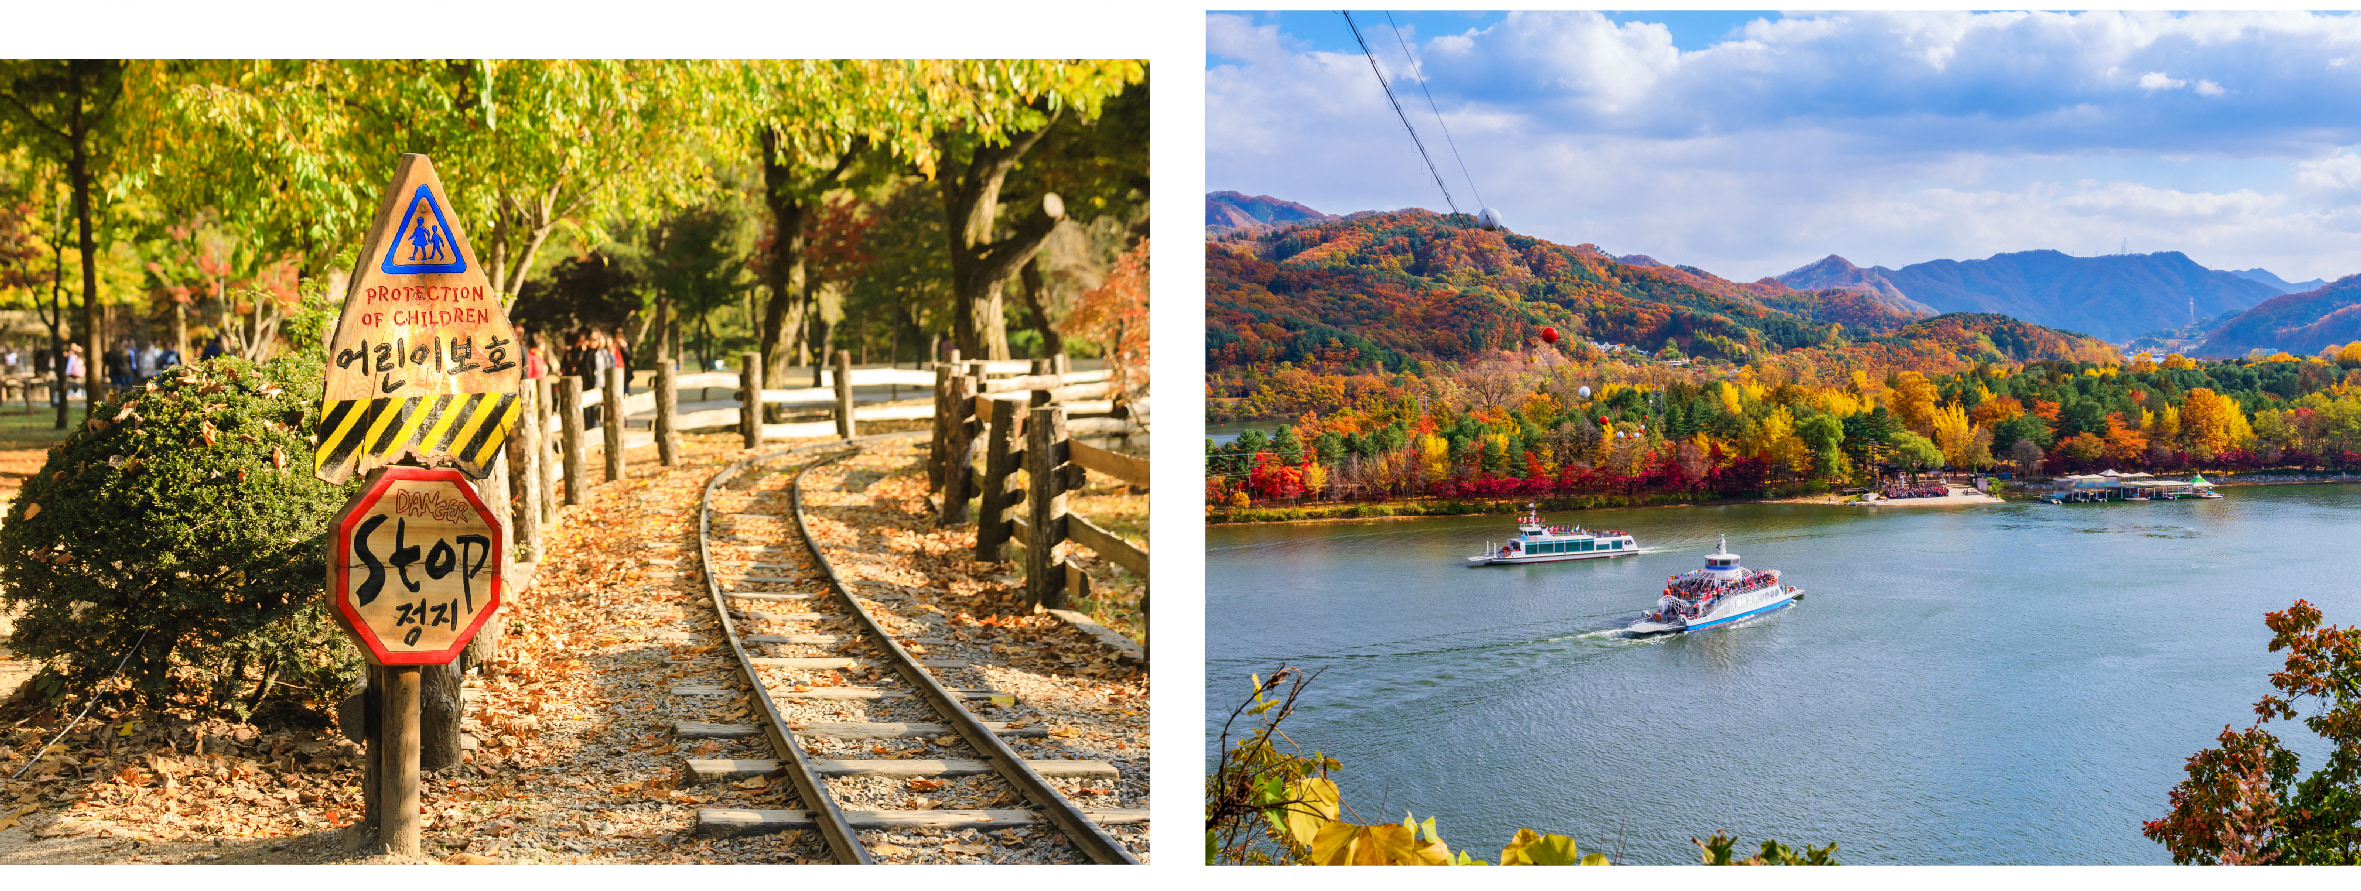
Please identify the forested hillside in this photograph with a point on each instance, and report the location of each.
(1390, 290)
(2306, 322)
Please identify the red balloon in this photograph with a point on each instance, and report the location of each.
(1549, 335)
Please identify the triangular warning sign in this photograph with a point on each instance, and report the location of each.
(424, 366)
(424, 243)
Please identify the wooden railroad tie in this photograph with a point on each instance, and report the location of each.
(774, 596)
(842, 662)
(869, 693)
(715, 822)
(711, 770)
(851, 730)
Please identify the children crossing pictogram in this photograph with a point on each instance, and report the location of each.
(423, 244)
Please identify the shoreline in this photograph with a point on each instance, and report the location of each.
(1828, 500)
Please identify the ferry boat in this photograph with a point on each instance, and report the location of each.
(1538, 542)
(1721, 593)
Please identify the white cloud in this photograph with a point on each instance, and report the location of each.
(1887, 137)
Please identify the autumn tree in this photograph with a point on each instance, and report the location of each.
(1914, 400)
(66, 112)
(1011, 107)
(2212, 423)
(2243, 802)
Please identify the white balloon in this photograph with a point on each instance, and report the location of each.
(1583, 393)
(1489, 219)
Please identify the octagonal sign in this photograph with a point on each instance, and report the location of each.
(414, 565)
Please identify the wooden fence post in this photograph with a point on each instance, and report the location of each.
(844, 394)
(941, 442)
(1041, 395)
(1004, 454)
(1045, 500)
(1060, 365)
(958, 443)
(532, 452)
(398, 821)
(750, 399)
(569, 407)
(544, 409)
(667, 416)
(618, 380)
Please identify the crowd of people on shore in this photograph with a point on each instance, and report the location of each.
(1936, 491)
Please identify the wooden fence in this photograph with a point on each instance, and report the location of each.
(1028, 430)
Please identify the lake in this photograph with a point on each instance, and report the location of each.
(2004, 684)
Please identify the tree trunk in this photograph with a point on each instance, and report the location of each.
(439, 710)
(1036, 299)
(782, 271)
(980, 265)
(78, 168)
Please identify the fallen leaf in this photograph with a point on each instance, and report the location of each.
(755, 783)
(926, 785)
(466, 859)
(33, 510)
(968, 849)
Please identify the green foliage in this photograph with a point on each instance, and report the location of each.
(181, 526)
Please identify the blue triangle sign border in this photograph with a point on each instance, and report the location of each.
(409, 218)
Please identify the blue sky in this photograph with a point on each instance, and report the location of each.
(1750, 143)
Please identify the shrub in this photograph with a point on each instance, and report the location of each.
(181, 525)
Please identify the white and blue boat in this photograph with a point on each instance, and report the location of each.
(1721, 593)
(1539, 542)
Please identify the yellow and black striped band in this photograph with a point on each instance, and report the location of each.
(468, 426)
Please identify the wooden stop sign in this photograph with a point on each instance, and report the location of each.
(414, 565)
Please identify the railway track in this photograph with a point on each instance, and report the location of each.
(872, 738)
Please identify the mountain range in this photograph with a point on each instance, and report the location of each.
(1237, 210)
(2301, 323)
(1397, 289)
(2162, 298)
(2115, 297)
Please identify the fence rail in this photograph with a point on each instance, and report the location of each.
(1030, 456)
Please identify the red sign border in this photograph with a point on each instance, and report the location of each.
(340, 559)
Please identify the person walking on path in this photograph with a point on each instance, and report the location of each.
(75, 369)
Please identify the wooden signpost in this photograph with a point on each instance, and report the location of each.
(421, 391)
(413, 572)
(424, 363)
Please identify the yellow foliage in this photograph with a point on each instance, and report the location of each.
(2164, 424)
(1955, 436)
(1434, 454)
(2212, 423)
(2350, 355)
(1728, 393)
(1913, 402)
(2144, 361)
(1315, 478)
(2176, 360)
(1531, 848)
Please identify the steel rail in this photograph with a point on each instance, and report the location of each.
(1093, 841)
(843, 844)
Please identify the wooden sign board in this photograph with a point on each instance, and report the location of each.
(424, 362)
(414, 565)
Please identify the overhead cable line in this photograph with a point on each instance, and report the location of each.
(1398, 112)
(1430, 104)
